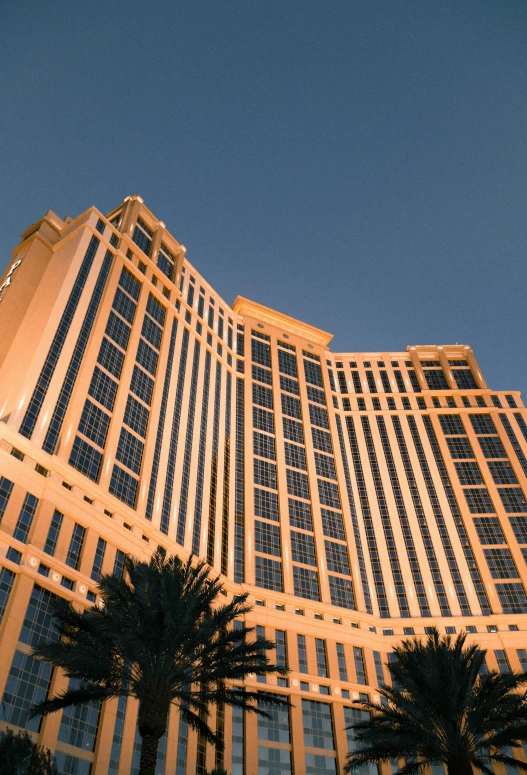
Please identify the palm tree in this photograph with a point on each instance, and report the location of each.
(19, 755)
(443, 708)
(161, 635)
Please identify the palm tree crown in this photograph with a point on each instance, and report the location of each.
(442, 709)
(162, 636)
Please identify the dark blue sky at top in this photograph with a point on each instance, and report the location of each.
(360, 165)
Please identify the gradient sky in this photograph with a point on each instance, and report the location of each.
(360, 165)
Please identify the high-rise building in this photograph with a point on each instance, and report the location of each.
(358, 497)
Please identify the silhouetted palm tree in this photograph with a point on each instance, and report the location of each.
(163, 636)
(441, 709)
(20, 756)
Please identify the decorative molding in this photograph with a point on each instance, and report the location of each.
(243, 306)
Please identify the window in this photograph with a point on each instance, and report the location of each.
(264, 473)
(295, 456)
(478, 501)
(118, 565)
(459, 448)
(452, 425)
(25, 518)
(94, 423)
(503, 662)
(103, 388)
(302, 654)
(27, 684)
(318, 416)
(491, 446)
(136, 416)
(322, 662)
(341, 660)
(464, 379)
(266, 504)
(291, 406)
(303, 548)
(329, 494)
(75, 549)
(341, 592)
(111, 358)
(293, 430)
(276, 726)
(469, 473)
(318, 729)
(519, 526)
(6, 583)
(130, 451)
(124, 486)
(360, 668)
(280, 637)
(79, 725)
(321, 440)
(98, 560)
(512, 598)
(266, 538)
(489, 530)
(85, 458)
(337, 557)
(147, 357)
(39, 622)
(501, 472)
(300, 514)
(53, 533)
(332, 524)
(325, 466)
(501, 564)
(142, 236)
(379, 672)
(264, 445)
(435, 379)
(268, 573)
(297, 484)
(263, 420)
(513, 499)
(142, 385)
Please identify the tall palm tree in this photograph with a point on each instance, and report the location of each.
(441, 708)
(163, 636)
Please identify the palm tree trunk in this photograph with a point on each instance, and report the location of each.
(149, 745)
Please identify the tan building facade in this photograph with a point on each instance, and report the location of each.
(357, 497)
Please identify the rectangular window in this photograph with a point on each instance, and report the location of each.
(98, 560)
(501, 472)
(266, 538)
(261, 353)
(118, 565)
(337, 557)
(379, 672)
(295, 456)
(263, 420)
(501, 564)
(303, 548)
(491, 447)
(325, 466)
(27, 684)
(25, 518)
(297, 484)
(318, 416)
(291, 406)
(302, 654)
(502, 660)
(103, 389)
(459, 448)
(287, 363)
(136, 416)
(74, 552)
(152, 332)
(264, 473)
(130, 451)
(118, 330)
(266, 504)
(322, 661)
(280, 637)
(328, 493)
(318, 729)
(268, 573)
(142, 385)
(513, 499)
(275, 727)
(469, 473)
(435, 379)
(341, 592)
(289, 385)
(332, 524)
(264, 446)
(519, 526)
(53, 533)
(322, 440)
(305, 582)
(85, 458)
(124, 486)
(512, 598)
(94, 423)
(341, 659)
(360, 669)
(6, 584)
(478, 500)
(464, 379)
(147, 357)
(300, 514)
(489, 530)
(293, 430)
(111, 358)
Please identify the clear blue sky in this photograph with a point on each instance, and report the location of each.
(361, 165)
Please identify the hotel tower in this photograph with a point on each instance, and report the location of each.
(357, 497)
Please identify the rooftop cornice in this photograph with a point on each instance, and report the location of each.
(243, 306)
